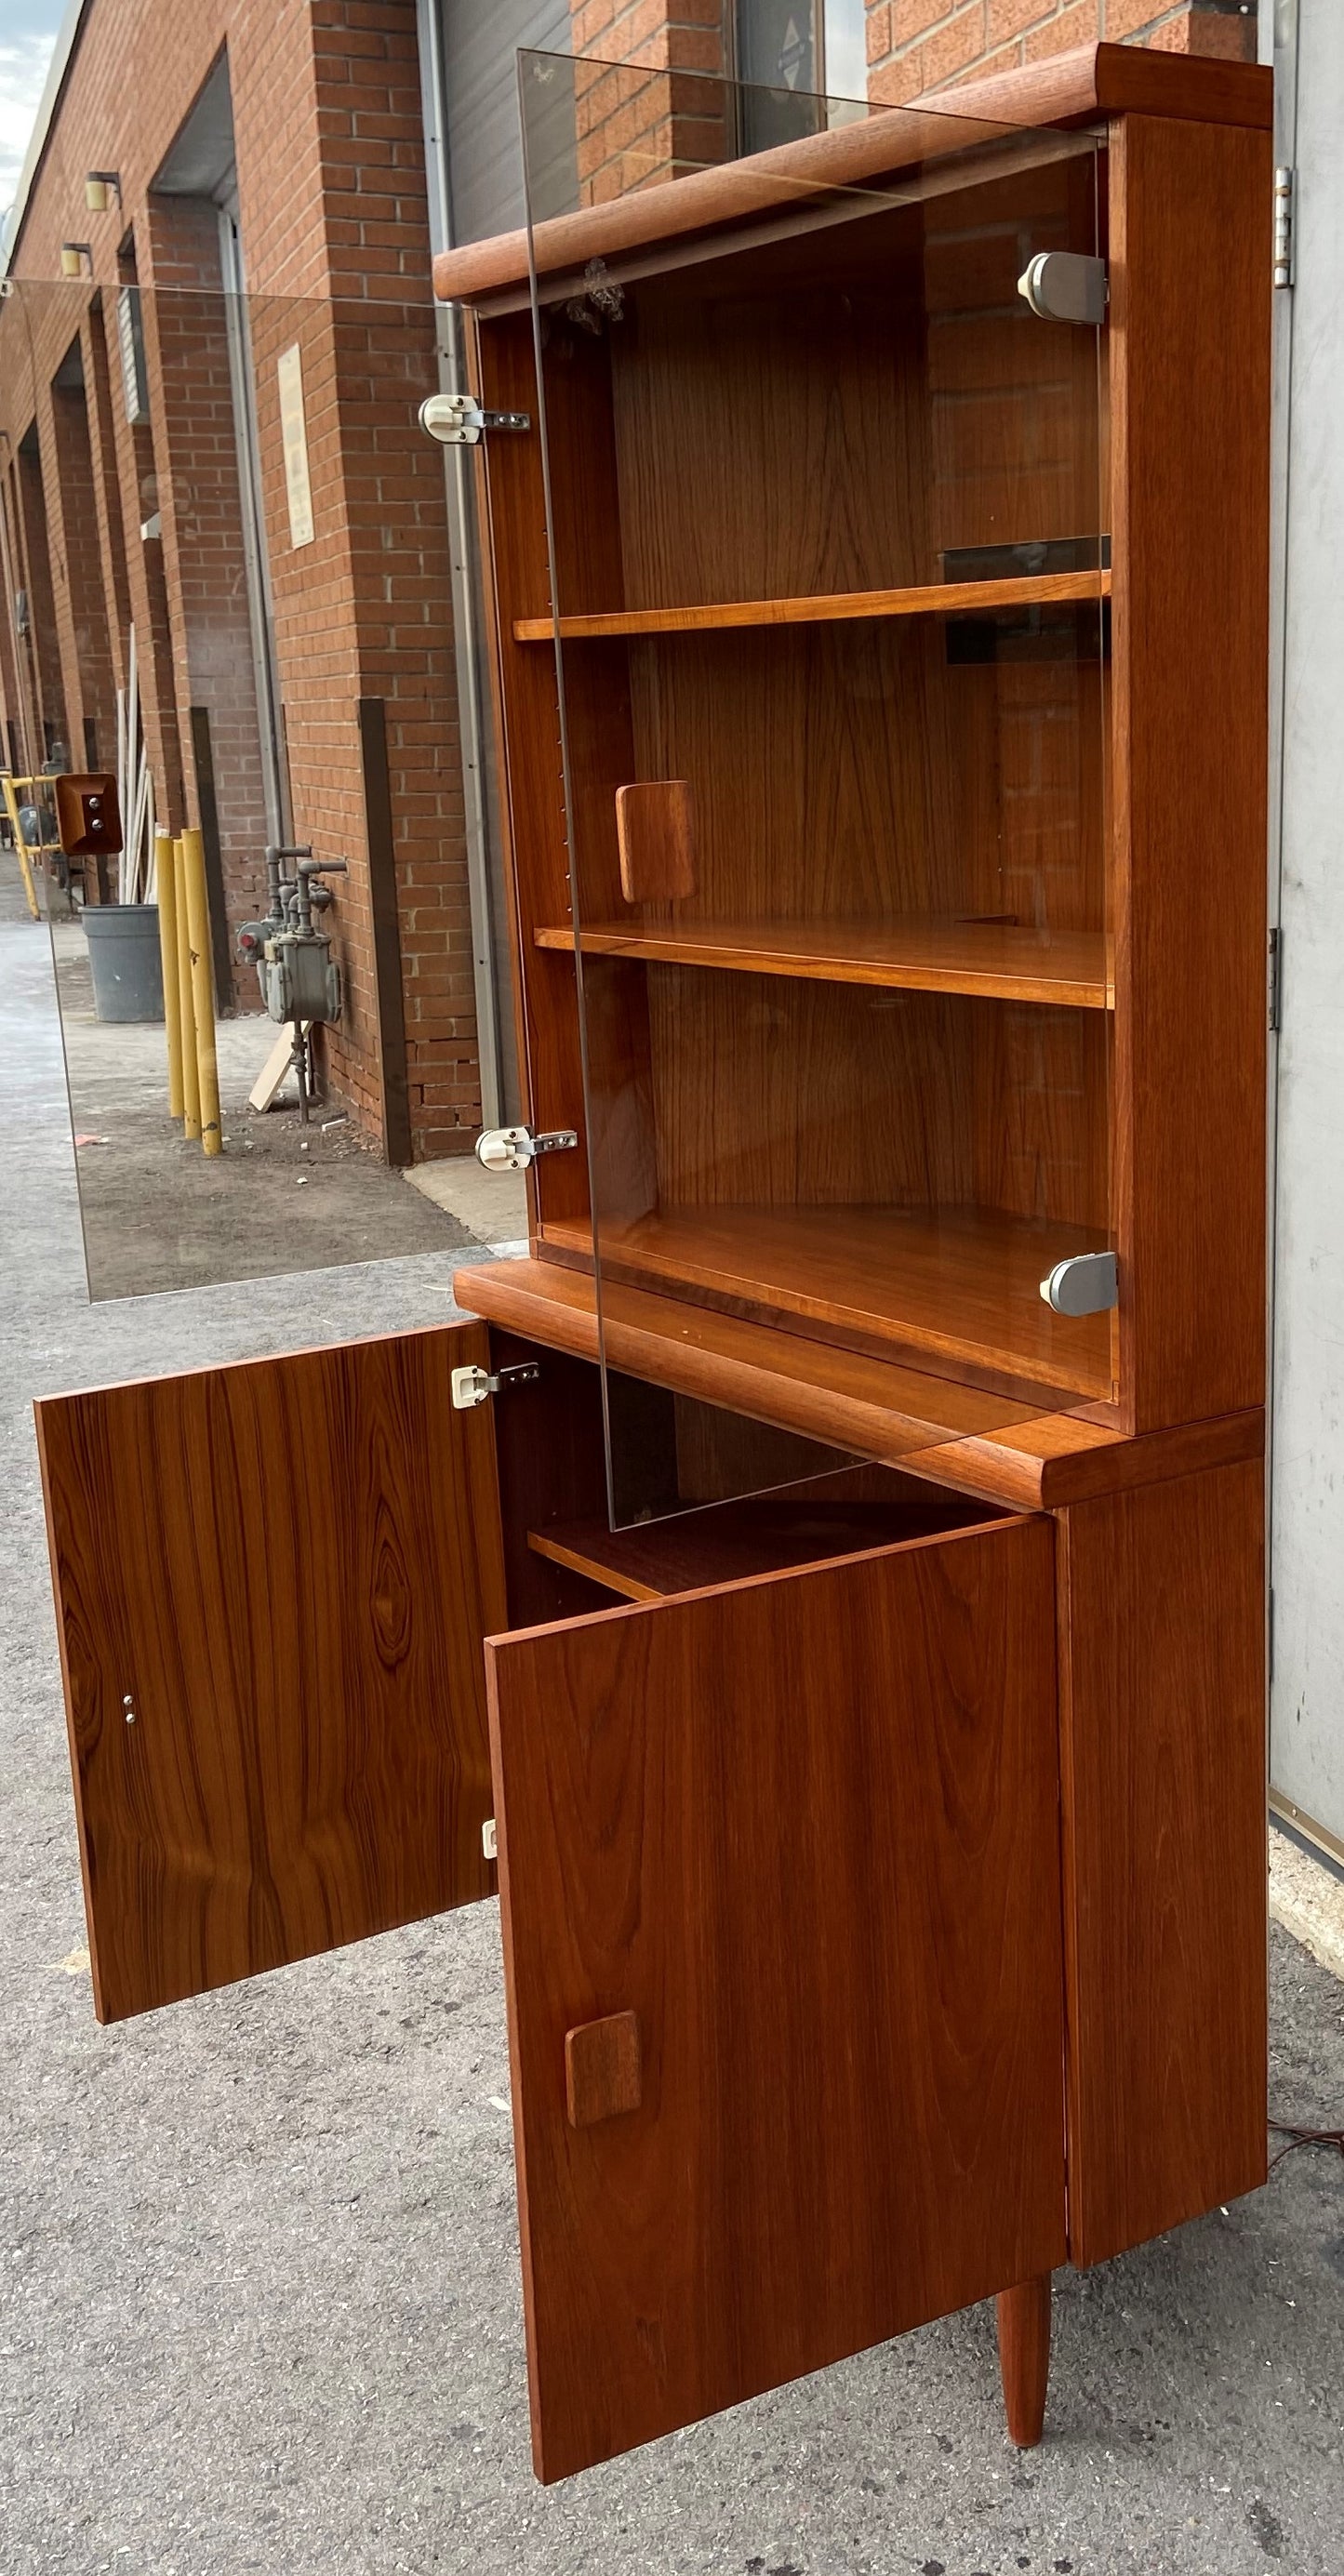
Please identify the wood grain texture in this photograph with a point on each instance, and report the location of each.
(1190, 376)
(603, 2075)
(1073, 87)
(933, 411)
(1024, 2357)
(272, 1581)
(551, 1463)
(853, 1768)
(993, 960)
(930, 599)
(1162, 1716)
(961, 1285)
(853, 773)
(655, 835)
(972, 1442)
(763, 1534)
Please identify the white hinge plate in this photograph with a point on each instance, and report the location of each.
(489, 1839)
(512, 1149)
(457, 420)
(472, 1386)
(1285, 207)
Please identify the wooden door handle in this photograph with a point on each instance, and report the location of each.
(603, 2074)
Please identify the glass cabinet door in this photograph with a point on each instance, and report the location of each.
(830, 574)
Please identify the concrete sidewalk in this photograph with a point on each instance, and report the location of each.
(259, 2291)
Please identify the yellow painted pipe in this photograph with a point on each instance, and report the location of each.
(198, 932)
(165, 884)
(191, 1087)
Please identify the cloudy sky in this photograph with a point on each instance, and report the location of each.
(27, 34)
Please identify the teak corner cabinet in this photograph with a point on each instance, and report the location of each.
(823, 1591)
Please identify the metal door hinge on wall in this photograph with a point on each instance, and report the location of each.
(457, 420)
(1285, 208)
(1276, 979)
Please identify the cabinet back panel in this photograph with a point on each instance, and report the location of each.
(851, 772)
(770, 1093)
(817, 421)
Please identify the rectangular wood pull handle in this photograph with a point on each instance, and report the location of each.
(655, 839)
(602, 2069)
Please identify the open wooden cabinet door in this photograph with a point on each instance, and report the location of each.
(779, 1871)
(272, 1583)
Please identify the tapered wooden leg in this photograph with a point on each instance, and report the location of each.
(1024, 2357)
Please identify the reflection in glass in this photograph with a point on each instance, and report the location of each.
(830, 573)
(226, 560)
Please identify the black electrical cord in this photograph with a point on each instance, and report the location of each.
(1303, 2137)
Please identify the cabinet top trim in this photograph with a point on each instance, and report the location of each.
(1037, 1464)
(1093, 81)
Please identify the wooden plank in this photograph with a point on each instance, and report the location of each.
(655, 835)
(934, 1427)
(960, 1284)
(1190, 377)
(1162, 1711)
(272, 1581)
(762, 1534)
(275, 1068)
(996, 960)
(1095, 80)
(928, 599)
(527, 740)
(805, 1829)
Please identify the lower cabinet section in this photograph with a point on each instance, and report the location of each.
(781, 1823)
(783, 1859)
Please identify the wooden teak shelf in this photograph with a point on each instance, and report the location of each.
(964, 1283)
(930, 599)
(998, 960)
(730, 1542)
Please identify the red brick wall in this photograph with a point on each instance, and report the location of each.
(916, 45)
(333, 215)
(633, 131)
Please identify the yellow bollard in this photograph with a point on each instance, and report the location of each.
(198, 930)
(165, 885)
(191, 1087)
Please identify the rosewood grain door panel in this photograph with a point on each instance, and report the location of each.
(272, 1582)
(802, 1832)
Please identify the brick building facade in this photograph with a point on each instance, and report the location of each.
(116, 521)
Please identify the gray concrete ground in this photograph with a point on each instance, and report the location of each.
(259, 2290)
(281, 1198)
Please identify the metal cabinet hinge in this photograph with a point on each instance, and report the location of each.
(457, 420)
(1085, 1285)
(1065, 286)
(471, 1386)
(489, 1839)
(1285, 207)
(511, 1149)
(1276, 979)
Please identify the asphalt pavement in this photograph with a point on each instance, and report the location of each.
(260, 2304)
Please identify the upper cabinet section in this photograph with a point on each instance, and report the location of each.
(829, 570)
(885, 559)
